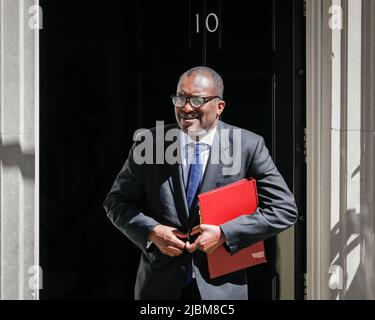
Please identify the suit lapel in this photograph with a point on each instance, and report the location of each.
(177, 187)
(178, 191)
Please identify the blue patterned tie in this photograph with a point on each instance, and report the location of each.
(194, 179)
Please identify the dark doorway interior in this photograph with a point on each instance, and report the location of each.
(107, 70)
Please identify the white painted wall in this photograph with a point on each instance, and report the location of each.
(19, 223)
(340, 142)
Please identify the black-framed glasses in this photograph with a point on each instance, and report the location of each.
(195, 102)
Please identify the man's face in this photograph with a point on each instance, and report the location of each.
(200, 119)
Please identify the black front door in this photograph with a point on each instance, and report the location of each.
(111, 71)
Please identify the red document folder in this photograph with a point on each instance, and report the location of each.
(224, 204)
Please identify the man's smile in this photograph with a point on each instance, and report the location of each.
(189, 116)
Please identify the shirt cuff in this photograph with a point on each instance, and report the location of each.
(225, 244)
(149, 243)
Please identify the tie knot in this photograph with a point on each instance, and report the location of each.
(199, 147)
(195, 157)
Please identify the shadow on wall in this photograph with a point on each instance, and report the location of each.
(11, 155)
(352, 253)
(345, 251)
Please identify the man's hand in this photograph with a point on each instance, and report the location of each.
(167, 240)
(209, 239)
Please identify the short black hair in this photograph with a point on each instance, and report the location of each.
(218, 81)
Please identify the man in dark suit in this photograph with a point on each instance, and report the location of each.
(154, 203)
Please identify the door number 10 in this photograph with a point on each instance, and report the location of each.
(210, 16)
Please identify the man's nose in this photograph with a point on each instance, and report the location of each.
(187, 107)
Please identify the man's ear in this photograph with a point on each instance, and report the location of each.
(220, 107)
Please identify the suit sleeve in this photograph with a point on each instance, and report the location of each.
(276, 210)
(123, 203)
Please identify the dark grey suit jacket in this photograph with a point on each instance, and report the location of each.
(143, 196)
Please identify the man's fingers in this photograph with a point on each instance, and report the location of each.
(177, 242)
(175, 251)
(190, 247)
(180, 234)
(165, 248)
(170, 250)
(196, 230)
(194, 246)
(197, 241)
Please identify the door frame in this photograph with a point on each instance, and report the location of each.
(319, 142)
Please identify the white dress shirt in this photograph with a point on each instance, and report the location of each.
(187, 157)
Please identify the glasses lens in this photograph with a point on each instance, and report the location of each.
(196, 101)
(178, 101)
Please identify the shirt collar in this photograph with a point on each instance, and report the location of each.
(207, 139)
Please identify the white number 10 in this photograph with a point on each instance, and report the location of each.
(207, 19)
